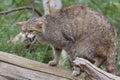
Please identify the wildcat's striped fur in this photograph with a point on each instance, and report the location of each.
(78, 30)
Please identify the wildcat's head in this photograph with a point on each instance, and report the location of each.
(32, 28)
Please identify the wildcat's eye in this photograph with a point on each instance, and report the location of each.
(31, 31)
(23, 31)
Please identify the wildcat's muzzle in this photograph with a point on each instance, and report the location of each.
(30, 37)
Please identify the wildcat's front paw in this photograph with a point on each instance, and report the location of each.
(76, 73)
(52, 63)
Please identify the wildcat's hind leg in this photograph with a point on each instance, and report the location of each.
(98, 61)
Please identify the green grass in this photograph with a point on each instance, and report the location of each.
(8, 31)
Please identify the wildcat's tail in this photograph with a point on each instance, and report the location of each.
(111, 62)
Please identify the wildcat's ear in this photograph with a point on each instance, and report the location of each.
(39, 25)
(20, 24)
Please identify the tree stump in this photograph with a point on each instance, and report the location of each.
(92, 72)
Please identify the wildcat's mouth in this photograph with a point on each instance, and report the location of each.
(32, 39)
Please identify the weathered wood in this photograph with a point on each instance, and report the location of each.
(13, 72)
(93, 71)
(13, 67)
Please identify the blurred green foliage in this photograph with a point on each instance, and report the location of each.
(8, 28)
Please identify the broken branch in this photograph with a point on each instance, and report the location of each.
(20, 8)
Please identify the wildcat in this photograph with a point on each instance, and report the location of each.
(78, 30)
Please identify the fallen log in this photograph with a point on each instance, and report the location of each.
(13, 67)
(93, 72)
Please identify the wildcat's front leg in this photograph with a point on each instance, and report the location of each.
(72, 55)
(57, 54)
